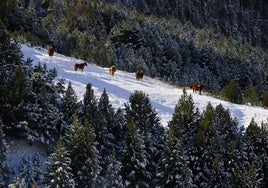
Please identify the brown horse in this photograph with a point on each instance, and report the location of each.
(112, 69)
(196, 88)
(51, 50)
(80, 66)
(139, 75)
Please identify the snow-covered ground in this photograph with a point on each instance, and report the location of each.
(163, 96)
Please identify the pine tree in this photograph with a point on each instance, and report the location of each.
(10, 58)
(185, 119)
(119, 130)
(141, 112)
(251, 95)
(69, 103)
(90, 104)
(91, 169)
(112, 176)
(104, 120)
(256, 138)
(134, 160)
(18, 91)
(60, 171)
(174, 170)
(232, 93)
(211, 148)
(83, 153)
(27, 171)
(265, 100)
(3, 152)
(103, 129)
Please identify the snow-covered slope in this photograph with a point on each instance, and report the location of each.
(163, 97)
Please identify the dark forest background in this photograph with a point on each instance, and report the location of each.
(222, 44)
(204, 42)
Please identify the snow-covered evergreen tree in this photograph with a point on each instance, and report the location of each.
(69, 103)
(104, 122)
(80, 140)
(60, 171)
(31, 170)
(141, 112)
(42, 115)
(10, 59)
(3, 152)
(185, 120)
(134, 159)
(112, 177)
(89, 174)
(90, 104)
(27, 171)
(174, 170)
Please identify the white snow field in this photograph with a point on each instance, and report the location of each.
(163, 97)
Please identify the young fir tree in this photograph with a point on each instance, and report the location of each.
(10, 59)
(103, 129)
(112, 176)
(141, 111)
(174, 170)
(104, 120)
(185, 120)
(256, 138)
(60, 171)
(27, 171)
(42, 106)
(146, 120)
(251, 95)
(211, 149)
(185, 124)
(18, 91)
(232, 93)
(69, 103)
(230, 145)
(83, 153)
(119, 130)
(3, 152)
(91, 169)
(90, 104)
(134, 159)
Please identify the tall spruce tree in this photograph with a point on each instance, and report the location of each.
(103, 129)
(141, 112)
(89, 175)
(80, 140)
(174, 170)
(104, 120)
(257, 149)
(112, 177)
(69, 103)
(185, 120)
(3, 152)
(60, 171)
(10, 58)
(90, 104)
(134, 159)
(42, 106)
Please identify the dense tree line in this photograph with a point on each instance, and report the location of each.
(244, 20)
(201, 42)
(90, 144)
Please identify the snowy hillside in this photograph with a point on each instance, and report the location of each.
(163, 97)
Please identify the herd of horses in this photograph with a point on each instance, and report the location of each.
(112, 69)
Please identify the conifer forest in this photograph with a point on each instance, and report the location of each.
(90, 144)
